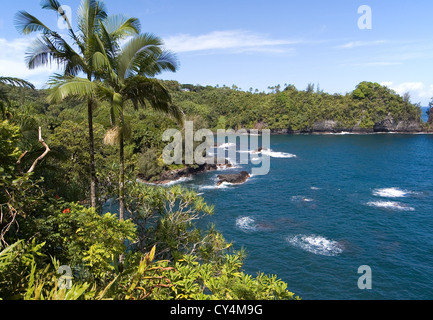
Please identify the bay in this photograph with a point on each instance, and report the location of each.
(343, 202)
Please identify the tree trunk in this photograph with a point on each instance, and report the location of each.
(93, 201)
(121, 173)
(121, 183)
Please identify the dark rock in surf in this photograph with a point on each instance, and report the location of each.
(236, 178)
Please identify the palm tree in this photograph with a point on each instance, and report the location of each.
(77, 57)
(127, 74)
(131, 78)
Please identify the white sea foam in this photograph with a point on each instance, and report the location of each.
(177, 181)
(246, 224)
(301, 199)
(343, 133)
(316, 244)
(169, 183)
(227, 145)
(390, 193)
(268, 152)
(275, 154)
(390, 205)
(223, 185)
(315, 188)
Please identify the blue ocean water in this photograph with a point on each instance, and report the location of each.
(343, 202)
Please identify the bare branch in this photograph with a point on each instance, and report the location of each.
(47, 149)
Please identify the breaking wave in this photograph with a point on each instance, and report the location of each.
(390, 193)
(227, 145)
(246, 224)
(316, 244)
(275, 154)
(169, 183)
(390, 205)
(223, 185)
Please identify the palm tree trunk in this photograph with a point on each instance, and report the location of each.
(92, 154)
(121, 175)
(121, 182)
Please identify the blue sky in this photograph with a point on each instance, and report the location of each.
(261, 43)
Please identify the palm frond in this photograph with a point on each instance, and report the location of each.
(41, 53)
(57, 79)
(89, 15)
(17, 82)
(50, 4)
(151, 93)
(120, 27)
(25, 23)
(152, 65)
(100, 61)
(53, 48)
(110, 47)
(137, 48)
(73, 87)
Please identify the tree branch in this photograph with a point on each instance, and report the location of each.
(47, 149)
(19, 162)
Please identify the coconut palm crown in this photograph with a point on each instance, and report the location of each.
(78, 55)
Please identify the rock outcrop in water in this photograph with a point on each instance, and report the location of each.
(174, 175)
(236, 178)
(390, 125)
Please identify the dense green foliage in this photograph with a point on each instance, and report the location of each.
(167, 256)
(289, 108)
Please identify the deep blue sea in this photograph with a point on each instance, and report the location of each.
(330, 204)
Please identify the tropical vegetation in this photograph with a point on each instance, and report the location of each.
(63, 235)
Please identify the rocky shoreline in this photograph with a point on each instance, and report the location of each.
(388, 125)
(187, 172)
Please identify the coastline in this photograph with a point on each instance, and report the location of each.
(173, 176)
(170, 177)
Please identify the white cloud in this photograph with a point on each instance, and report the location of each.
(356, 44)
(419, 91)
(12, 62)
(238, 41)
(376, 64)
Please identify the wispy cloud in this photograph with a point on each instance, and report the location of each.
(377, 64)
(418, 90)
(237, 41)
(357, 44)
(12, 62)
